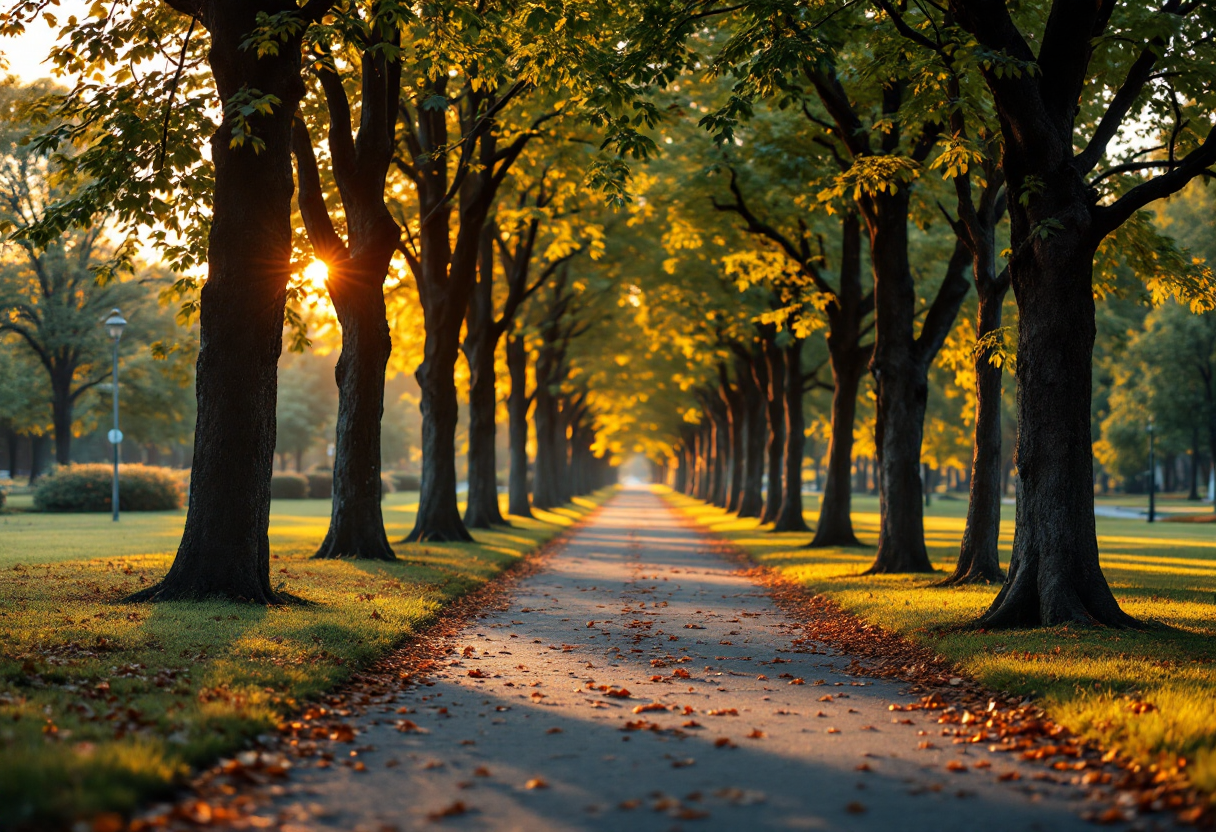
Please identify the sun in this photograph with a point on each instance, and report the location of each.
(315, 274)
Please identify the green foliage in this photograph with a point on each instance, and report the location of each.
(290, 486)
(77, 488)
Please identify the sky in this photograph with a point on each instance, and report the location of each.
(25, 54)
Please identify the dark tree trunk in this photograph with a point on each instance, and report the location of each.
(357, 269)
(1054, 575)
(751, 503)
(39, 445)
(704, 461)
(775, 366)
(482, 510)
(835, 526)
(720, 420)
(790, 519)
(546, 478)
(12, 441)
(225, 550)
(1193, 493)
(356, 525)
(900, 366)
(736, 413)
(979, 557)
(61, 416)
(517, 415)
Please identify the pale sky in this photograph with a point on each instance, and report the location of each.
(25, 54)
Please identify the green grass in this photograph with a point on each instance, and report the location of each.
(105, 705)
(1164, 574)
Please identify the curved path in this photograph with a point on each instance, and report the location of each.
(524, 732)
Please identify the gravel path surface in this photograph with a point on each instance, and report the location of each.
(744, 722)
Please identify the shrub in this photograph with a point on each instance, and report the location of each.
(88, 488)
(386, 485)
(406, 482)
(320, 485)
(285, 486)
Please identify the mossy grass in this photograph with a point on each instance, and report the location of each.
(107, 705)
(1163, 574)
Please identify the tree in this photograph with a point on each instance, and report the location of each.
(225, 549)
(1097, 68)
(358, 266)
(541, 199)
(51, 295)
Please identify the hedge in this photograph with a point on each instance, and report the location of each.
(406, 482)
(284, 486)
(88, 488)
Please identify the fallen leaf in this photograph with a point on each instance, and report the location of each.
(756, 734)
(457, 808)
(536, 783)
(653, 706)
(955, 765)
(723, 742)
(855, 808)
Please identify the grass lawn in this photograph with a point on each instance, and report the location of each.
(1164, 574)
(104, 705)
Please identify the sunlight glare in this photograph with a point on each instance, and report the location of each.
(315, 273)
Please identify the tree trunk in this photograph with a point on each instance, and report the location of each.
(517, 414)
(751, 503)
(482, 510)
(720, 419)
(1193, 493)
(775, 366)
(979, 557)
(546, 485)
(356, 525)
(900, 366)
(1054, 575)
(61, 417)
(738, 452)
(225, 550)
(790, 519)
(39, 444)
(835, 526)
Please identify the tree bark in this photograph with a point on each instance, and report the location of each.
(835, 527)
(736, 412)
(1054, 574)
(790, 518)
(39, 444)
(979, 556)
(719, 419)
(356, 525)
(61, 413)
(848, 359)
(546, 478)
(225, 549)
(517, 415)
(900, 366)
(751, 502)
(357, 270)
(482, 511)
(775, 367)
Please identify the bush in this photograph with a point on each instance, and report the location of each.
(88, 488)
(288, 486)
(320, 485)
(386, 485)
(406, 482)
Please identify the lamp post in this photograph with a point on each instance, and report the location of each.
(1152, 475)
(114, 325)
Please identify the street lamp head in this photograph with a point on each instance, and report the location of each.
(115, 323)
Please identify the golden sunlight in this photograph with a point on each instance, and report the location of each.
(315, 274)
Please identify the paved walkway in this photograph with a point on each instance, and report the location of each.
(531, 730)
